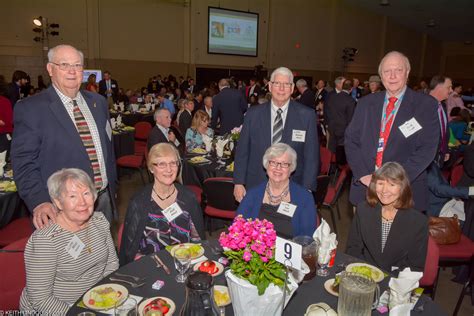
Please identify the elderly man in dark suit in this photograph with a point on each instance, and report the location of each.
(307, 95)
(108, 87)
(280, 120)
(398, 125)
(228, 106)
(62, 127)
(161, 132)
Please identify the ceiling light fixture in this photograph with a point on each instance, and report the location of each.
(38, 21)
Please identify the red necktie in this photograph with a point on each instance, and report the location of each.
(385, 128)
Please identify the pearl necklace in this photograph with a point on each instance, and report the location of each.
(276, 199)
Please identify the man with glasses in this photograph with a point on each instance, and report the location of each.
(62, 127)
(280, 120)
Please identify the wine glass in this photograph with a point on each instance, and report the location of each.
(182, 261)
(128, 308)
(324, 256)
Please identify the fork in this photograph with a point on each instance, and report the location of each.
(135, 278)
(132, 284)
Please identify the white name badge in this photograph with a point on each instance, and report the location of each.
(113, 86)
(172, 211)
(74, 247)
(288, 253)
(139, 99)
(410, 127)
(298, 136)
(287, 209)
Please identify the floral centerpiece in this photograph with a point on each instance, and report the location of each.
(235, 133)
(250, 245)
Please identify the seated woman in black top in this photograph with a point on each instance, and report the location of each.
(386, 231)
(147, 229)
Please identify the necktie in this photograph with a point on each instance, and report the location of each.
(442, 121)
(86, 137)
(385, 128)
(277, 127)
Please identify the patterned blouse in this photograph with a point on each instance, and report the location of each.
(194, 138)
(386, 225)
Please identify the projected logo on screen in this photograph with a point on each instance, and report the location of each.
(232, 32)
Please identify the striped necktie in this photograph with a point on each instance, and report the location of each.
(277, 127)
(86, 137)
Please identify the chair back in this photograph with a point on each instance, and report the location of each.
(456, 174)
(119, 236)
(219, 193)
(16, 230)
(431, 264)
(142, 130)
(334, 191)
(325, 156)
(321, 189)
(12, 265)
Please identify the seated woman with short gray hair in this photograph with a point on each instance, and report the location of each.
(66, 257)
(286, 204)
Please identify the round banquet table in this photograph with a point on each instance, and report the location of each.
(196, 173)
(124, 143)
(133, 118)
(307, 293)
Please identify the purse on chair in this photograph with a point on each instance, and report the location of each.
(445, 230)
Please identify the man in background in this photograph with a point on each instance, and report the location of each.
(108, 87)
(228, 106)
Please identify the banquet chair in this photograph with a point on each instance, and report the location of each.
(218, 200)
(456, 174)
(142, 131)
(333, 193)
(12, 265)
(197, 191)
(321, 190)
(325, 157)
(134, 162)
(467, 288)
(18, 229)
(430, 273)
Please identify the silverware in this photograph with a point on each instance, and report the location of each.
(158, 264)
(135, 278)
(165, 267)
(132, 284)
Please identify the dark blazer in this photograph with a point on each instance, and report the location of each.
(339, 110)
(467, 178)
(13, 93)
(320, 96)
(406, 244)
(114, 87)
(255, 138)
(45, 139)
(185, 120)
(229, 105)
(156, 136)
(307, 98)
(414, 153)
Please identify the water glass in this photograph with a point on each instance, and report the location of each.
(309, 254)
(128, 308)
(324, 256)
(182, 261)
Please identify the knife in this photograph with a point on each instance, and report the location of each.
(165, 267)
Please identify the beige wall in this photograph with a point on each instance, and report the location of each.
(141, 38)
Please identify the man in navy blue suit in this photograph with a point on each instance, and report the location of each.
(398, 125)
(228, 107)
(280, 120)
(46, 137)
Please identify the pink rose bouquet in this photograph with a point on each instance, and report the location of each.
(250, 245)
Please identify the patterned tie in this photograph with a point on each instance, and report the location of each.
(86, 138)
(442, 121)
(385, 131)
(277, 127)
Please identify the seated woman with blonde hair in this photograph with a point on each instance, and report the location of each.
(386, 231)
(197, 130)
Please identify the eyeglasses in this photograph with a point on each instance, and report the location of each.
(66, 66)
(163, 165)
(283, 165)
(279, 84)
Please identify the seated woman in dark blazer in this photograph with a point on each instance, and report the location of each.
(386, 231)
(264, 200)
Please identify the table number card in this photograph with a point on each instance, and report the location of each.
(288, 253)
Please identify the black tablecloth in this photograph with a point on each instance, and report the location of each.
(11, 207)
(124, 143)
(308, 293)
(196, 173)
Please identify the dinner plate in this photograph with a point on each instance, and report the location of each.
(377, 274)
(198, 160)
(222, 289)
(199, 151)
(197, 254)
(144, 303)
(220, 267)
(115, 287)
(328, 287)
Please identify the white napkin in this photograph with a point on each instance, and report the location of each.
(153, 105)
(135, 297)
(401, 288)
(220, 146)
(3, 156)
(113, 123)
(208, 142)
(119, 120)
(401, 310)
(115, 107)
(122, 106)
(327, 241)
(135, 107)
(148, 107)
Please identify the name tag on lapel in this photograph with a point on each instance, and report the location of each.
(410, 127)
(74, 247)
(172, 211)
(298, 136)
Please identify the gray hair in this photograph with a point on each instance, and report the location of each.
(282, 71)
(405, 60)
(52, 52)
(57, 182)
(301, 83)
(158, 111)
(339, 80)
(278, 150)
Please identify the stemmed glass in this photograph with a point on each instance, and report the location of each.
(324, 256)
(182, 261)
(127, 308)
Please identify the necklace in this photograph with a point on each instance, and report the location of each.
(276, 199)
(388, 219)
(165, 198)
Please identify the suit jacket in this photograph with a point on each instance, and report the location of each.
(13, 92)
(113, 86)
(415, 153)
(320, 96)
(339, 110)
(229, 105)
(185, 120)
(406, 244)
(255, 138)
(307, 98)
(156, 136)
(45, 139)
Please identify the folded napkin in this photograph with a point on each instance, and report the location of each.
(207, 142)
(148, 107)
(119, 120)
(122, 106)
(113, 123)
(220, 146)
(327, 241)
(401, 288)
(135, 107)
(115, 107)
(3, 156)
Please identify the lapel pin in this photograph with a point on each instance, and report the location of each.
(95, 105)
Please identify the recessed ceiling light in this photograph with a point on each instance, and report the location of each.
(384, 3)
